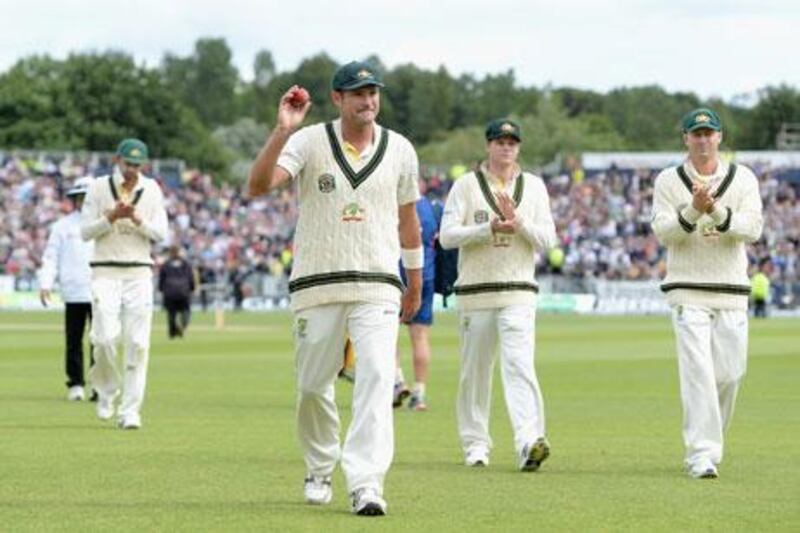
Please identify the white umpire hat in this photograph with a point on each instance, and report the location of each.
(80, 186)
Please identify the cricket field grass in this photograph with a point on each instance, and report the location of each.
(217, 450)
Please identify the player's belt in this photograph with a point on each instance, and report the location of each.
(347, 276)
(724, 288)
(478, 288)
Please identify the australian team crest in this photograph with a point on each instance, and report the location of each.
(500, 240)
(702, 118)
(352, 212)
(481, 216)
(327, 183)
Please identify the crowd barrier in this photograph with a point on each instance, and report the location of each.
(262, 292)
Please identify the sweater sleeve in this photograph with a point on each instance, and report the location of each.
(154, 227)
(745, 221)
(671, 223)
(454, 233)
(93, 220)
(539, 229)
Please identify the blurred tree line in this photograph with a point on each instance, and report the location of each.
(198, 108)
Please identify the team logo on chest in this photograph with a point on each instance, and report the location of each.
(500, 240)
(481, 216)
(326, 183)
(352, 212)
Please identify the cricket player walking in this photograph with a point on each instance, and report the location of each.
(499, 217)
(705, 211)
(357, 188)
(124, 215)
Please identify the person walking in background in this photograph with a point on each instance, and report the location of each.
(66, 261)
(419, 326)
(357, 186)
(704, 211)
(499, 217)
(176, 283)
(124, 215)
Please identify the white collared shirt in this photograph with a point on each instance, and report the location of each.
(66, 260)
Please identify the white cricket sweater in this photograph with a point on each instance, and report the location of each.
(347, 245)
(496, 271)
(122, 249)
(706, 257)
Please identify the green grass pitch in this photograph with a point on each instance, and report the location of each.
(218, 452)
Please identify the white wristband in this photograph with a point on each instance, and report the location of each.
(412, 258)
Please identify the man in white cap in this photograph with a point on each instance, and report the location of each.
(124, 214)
(66, 261)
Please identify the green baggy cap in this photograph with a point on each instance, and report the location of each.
(133, 151)
(503, 127)
(701, 118)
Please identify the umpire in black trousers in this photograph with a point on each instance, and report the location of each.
(65, 263)
(176, 283)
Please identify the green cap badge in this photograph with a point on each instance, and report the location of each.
(355, 75)
(701, 118)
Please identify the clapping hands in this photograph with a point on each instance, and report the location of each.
(702, 200)
(509, 221)
(122, 210)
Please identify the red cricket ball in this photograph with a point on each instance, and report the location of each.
(299, 97)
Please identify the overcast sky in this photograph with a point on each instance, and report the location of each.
(713, 47)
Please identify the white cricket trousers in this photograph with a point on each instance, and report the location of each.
(121, 308)
(480, 331)
(319, 334)
(712, 360)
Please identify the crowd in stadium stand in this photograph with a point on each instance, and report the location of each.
(602, 220)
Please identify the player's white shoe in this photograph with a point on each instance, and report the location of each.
(533, 455)
(477, 457)
(133, 421)
(318, 490)
(367, 502)
(75, 394)
(703, 469)
(105, 407)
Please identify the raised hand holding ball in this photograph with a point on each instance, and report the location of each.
(298, 97)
